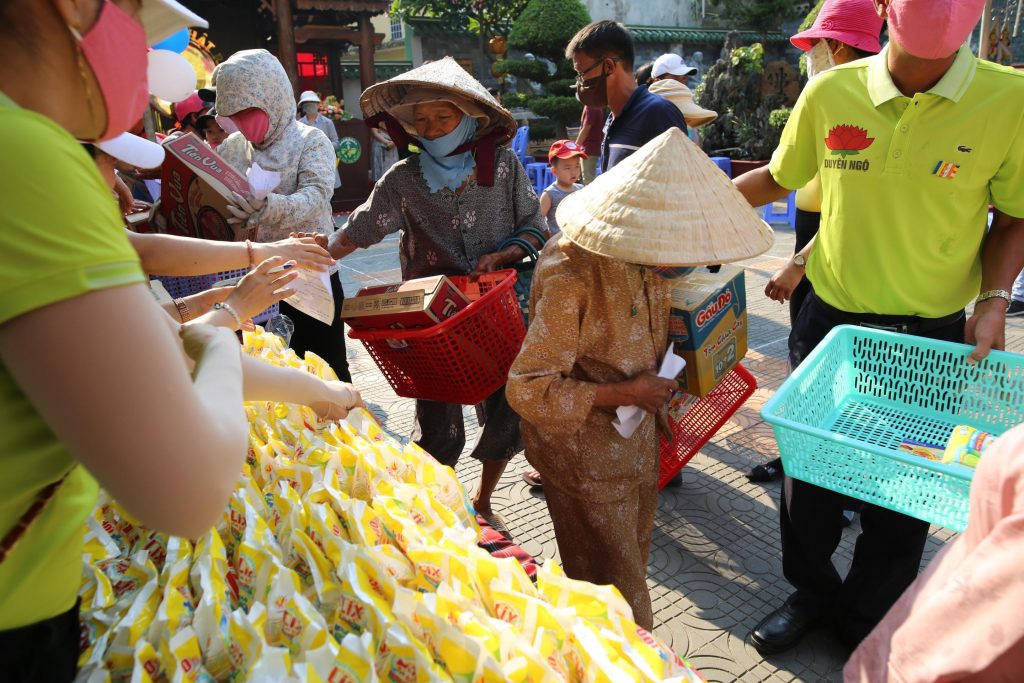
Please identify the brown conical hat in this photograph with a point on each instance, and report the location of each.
(666, 205)
(443, 79)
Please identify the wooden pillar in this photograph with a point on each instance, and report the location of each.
(286, 41)
(367, 72)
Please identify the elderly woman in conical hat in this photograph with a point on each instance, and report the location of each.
(598, 334)
(454, 204)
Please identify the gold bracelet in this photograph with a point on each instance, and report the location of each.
(248, 249)
(183, 311)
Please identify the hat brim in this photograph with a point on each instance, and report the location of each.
(208, 94)
(303, 100)
(569, 155)
(686, 71)
(163, 18)
(134, 150)
(805, 39)
(450, 82)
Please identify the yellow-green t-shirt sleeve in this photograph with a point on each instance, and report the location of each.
(62, 235)
(795, 161)
(1007, 186)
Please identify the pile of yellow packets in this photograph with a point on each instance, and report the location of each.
(342, 556)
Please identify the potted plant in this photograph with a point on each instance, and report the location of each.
(748, 126)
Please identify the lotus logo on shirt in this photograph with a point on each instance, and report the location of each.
(846, 141)
(945, 169)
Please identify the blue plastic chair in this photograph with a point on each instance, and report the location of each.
(724, 163)
(520, 142)
(771, 215)
(537, 172)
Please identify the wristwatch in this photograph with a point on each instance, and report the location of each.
(799, 260)
(993, 294)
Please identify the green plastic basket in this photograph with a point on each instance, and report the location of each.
(840, 417)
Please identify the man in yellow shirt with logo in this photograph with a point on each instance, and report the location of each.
(910, 146)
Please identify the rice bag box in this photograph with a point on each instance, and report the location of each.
(708, 326)
(406, 305)
(196, 186)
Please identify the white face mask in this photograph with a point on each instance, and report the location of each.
(819, 59)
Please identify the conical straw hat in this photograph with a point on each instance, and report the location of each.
(681, 96)
(434, 81)
(666, 205)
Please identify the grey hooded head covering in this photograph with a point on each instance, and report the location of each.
(255, 78)
(302, 154)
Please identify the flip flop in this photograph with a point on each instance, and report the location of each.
(496, 522)
(533, 478)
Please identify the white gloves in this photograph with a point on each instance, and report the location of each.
(241, 208)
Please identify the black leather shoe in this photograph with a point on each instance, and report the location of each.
(782, 629)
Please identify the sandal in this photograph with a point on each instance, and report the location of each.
(533, 478)
(496, 522)
(769, 471)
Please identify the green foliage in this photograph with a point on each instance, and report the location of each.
(544, 130)
(524, 68)
(513, 100)
(732, 87)
(562, 87)
(546, 26)
(562, 110)
(804, 25)
(760, 15)
(485, 18)
(778, 118)
(748, 58)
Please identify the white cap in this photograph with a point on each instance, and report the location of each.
(134, 150)
(671, 64)
(163, 18)
(308, 96)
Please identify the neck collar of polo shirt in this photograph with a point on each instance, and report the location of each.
(951, 86)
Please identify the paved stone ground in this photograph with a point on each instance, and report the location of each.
(715, 562)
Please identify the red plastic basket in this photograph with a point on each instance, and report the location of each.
(464, 359)
(702, 420)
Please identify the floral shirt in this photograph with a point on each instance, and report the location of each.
(594, 320)
(444, 233)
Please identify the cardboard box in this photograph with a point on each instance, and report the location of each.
(406, 305)
(708, 326)
(196, 188)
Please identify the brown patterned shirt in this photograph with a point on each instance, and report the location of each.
(595, 320)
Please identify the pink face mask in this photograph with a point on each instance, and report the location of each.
(226, 124)
(253, 123)
(115, 49)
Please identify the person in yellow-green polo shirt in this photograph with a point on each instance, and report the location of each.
(910, 146)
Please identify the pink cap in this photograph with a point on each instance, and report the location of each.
(854, 22)
(192, 104)
(933, 29)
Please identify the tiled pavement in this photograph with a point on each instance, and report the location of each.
(715, 563)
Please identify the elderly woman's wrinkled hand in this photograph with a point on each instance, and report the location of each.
(650, 392)
(305, 249)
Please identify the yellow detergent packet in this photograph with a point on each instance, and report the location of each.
(96, 592)
(254, 560)
(246, 641)
(486, 569)
(365, 525)
(360, 607)
(400, 657)
(177, 604)
(148, 667)
(128, 575)
(288, 512)
(641, 645)
(350, 661)
(321, 585)
(600, 662)
(283, 585)
(186, 658)
(98, 544)
(527, 613)
(523, 662)
(274, 666)
(600, 603)
(303, 628)
(398, 521)
(326, 530)
(374, 561)
(155, 545)
(134, 625)
(392, 561)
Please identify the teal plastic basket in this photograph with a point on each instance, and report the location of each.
(841, 416)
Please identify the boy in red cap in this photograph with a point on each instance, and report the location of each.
(564, 157)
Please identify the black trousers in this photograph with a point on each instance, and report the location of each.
(44, 652)
(807, 223)
(326, 341)
(888, 552)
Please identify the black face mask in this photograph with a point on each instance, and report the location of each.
(593, 92)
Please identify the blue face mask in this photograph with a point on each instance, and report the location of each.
(441, 170)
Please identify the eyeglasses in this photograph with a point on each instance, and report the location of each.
(581, 75)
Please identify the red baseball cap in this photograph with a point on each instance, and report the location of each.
(565, 149)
